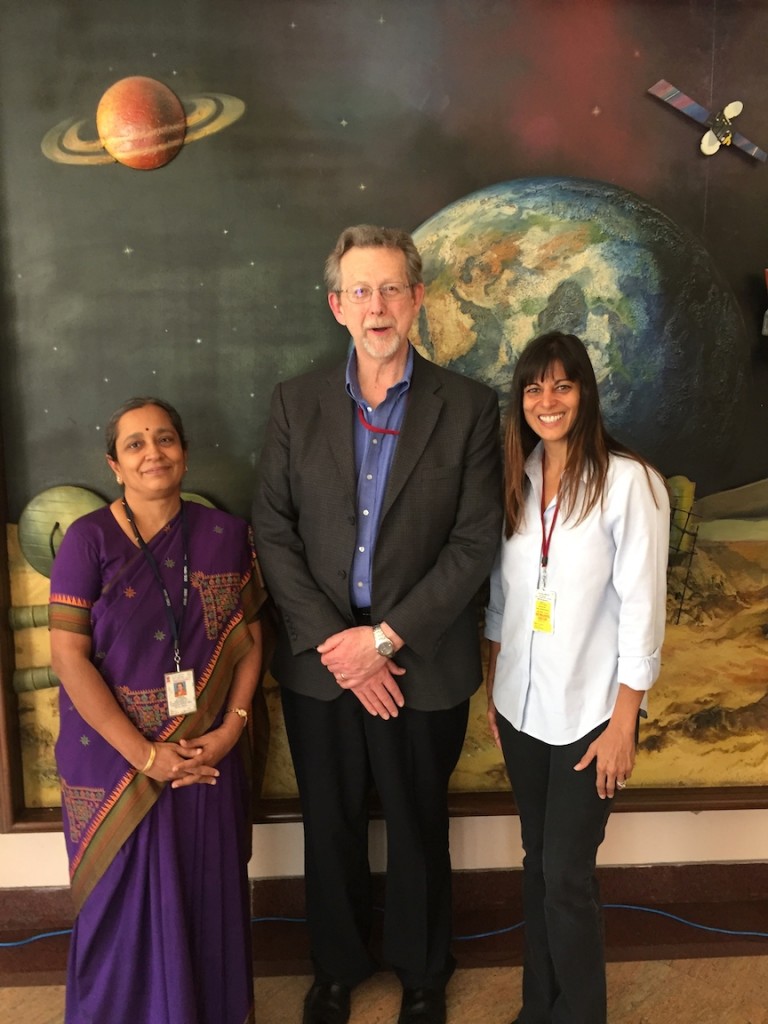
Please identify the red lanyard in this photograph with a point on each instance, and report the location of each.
(370, 426)
(546, 536)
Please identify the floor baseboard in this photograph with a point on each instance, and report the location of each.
(645, 919)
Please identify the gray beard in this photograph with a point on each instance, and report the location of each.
(379, 351)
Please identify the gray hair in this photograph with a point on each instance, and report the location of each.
(366, 236)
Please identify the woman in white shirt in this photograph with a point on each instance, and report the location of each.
(576, 621)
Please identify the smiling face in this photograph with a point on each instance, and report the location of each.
(379, 327)
(551, 405)
(149, 456)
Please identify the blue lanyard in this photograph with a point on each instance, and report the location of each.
(175, 627)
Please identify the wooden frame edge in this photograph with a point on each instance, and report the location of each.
(11, 781)
(474, 805)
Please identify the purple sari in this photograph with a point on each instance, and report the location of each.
(159, 876)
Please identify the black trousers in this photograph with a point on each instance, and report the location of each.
(338, 749)
(562, 820)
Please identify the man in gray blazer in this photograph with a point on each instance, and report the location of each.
(377, 519)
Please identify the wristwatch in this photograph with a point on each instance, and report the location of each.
(382, 642)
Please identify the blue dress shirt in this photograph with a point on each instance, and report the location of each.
(375, 434)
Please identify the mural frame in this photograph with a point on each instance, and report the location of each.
(15, 816)
(477, 805)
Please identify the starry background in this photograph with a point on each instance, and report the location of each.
(201, 282)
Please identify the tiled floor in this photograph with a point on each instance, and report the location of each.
(730, 990)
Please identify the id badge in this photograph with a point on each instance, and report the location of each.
(180, 692)
(544, 611)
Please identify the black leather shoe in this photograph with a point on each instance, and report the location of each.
(422, 1006)
(326, 1003)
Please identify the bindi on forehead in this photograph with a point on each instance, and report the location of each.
(136, 432)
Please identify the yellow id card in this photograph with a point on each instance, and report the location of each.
(544, 611)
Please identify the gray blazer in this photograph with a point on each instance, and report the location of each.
(439, 531)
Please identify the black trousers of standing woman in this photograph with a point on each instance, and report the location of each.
(562, 820)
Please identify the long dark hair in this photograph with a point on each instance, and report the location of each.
(589, 443)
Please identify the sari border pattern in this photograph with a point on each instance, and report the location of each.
(135, 794)
(69, 613)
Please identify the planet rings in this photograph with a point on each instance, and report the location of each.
(206, 113)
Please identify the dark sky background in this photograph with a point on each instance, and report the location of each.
(202, 281)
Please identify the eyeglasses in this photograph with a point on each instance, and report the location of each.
(388, 292)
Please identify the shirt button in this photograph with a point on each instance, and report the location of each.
(369, 476)
(361, 549)
(375, 440)
(369, 408)
(360, 584)
(365, 511)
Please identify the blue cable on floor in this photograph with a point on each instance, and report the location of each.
(488, 935)
(35, 938)
(682, 920)
(460, 938)
(630, 906)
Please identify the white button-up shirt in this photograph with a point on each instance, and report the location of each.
(608, 573)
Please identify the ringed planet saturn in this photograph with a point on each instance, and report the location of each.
(140, 123)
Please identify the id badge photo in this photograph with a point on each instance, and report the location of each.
(180, 692)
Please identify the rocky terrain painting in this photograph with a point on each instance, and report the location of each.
(707, 714)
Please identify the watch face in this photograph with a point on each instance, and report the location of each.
(383, 644)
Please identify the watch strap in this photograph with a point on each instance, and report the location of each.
(382, 642)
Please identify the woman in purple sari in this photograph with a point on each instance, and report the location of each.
(155, 638)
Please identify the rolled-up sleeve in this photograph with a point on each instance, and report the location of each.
(641, 533)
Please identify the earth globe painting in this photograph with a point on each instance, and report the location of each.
(665, 334)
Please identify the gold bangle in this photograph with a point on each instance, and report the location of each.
(150, 759)
(241, 712)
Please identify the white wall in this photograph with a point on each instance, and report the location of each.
(39, 860)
